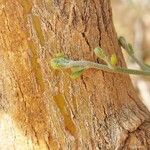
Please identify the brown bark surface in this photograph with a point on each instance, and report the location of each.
(41, 108)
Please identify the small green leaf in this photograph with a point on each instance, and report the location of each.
(76, 72)
(76, 69)
(99, 53)
(59, 62)
(54, 64)
(102, 55)
(131, 51)
(114, 59)
(122, 42)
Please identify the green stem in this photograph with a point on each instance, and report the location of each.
(129, 49)
(89, 64)
(142, 66)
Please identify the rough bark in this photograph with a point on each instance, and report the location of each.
(41, 108)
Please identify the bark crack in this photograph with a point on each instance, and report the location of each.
(84, 83)
(125, 144)
(98, 24)
(86, 40)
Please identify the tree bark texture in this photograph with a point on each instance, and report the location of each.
(42, 108)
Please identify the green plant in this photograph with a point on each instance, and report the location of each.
(129, 49)
(78, 67)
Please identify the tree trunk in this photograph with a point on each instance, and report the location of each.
(42, 108)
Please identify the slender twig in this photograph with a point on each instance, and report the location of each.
(88, 64)
(78, 67)
(142, 66)
(129, 49)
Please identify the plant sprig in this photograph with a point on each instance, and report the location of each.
(78, 67)
(129, 49)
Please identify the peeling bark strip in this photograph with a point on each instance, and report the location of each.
(41, 108)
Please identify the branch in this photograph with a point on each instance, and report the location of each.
(129, 49)
(78, 67)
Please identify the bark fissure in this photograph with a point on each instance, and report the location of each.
(133, 134)
(98, 24)
(86, 40)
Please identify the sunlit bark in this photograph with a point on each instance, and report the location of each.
(41, 108)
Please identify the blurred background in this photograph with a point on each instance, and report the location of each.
(132, 20)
